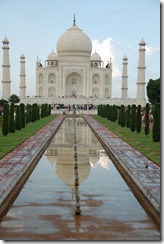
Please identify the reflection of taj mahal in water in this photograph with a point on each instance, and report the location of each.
(74, 75)
(90, 152)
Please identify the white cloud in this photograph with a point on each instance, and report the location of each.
(132, 48)
(104, 49)
(116, 72)
(152, 50)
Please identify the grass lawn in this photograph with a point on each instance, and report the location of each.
(12, 140)
(139, 141)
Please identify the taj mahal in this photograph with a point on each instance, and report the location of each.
(75, 75)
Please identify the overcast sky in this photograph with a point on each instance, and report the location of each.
(115, 28)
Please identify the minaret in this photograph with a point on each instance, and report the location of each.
(22, 77)
(141, 75)
(6, 91)
(124, 78)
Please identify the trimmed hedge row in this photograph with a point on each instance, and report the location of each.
(131, 117)
(16, 120)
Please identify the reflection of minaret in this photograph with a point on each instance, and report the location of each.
(141, 74)
(76, 183)
(22, 77)
(124, 79)
(6, 93)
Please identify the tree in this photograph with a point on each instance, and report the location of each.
(38, 113)
(114, 113)
(156, 123)
(18, 119)
(14, 98)
(138, 119)
(153, 91)
(12, 122)
(133, 118)
(3, 101)
(122, 116)
(49, 109)
(147, 119)
(42, 111)
(5, 122)
(22, 114)
(34, 112)
(128, 116)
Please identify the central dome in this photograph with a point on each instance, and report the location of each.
(74, 42)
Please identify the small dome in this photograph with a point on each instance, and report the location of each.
(52, 56)
(22, 56)
(5, 40)
(125, 57)
(142, 42)
(74, 42)
(96, 57)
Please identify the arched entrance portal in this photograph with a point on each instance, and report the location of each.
(74, 86)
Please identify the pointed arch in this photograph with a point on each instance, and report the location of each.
(74, 85)
(41, 91)
(106, 92)
(106, 79)
(95, 79)
(40, 78)
(95, 92)
(51, 92)
(52, 78)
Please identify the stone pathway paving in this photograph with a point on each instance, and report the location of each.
(143, 171)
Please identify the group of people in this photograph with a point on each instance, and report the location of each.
(74, 107)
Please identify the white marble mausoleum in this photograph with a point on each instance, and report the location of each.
(75, 75)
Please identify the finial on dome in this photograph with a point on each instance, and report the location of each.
(74, 20)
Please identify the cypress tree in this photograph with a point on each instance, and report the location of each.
(38, 113)
(46, 110)
(156, 123)
(103, 111)
(42, 111)
(34, 116)
(122, 116)
(49, 111)
(27, 114)
(138, 119)
(147, 120)
(111, 114)
(5, 121)
(18, 119)
(12, 122)
(107, 111)
(115, 113)
(22, 113)
(98, 110)
(133, 118)
(30, 113)
(119, 117)
(33, 113)
(128, 116)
